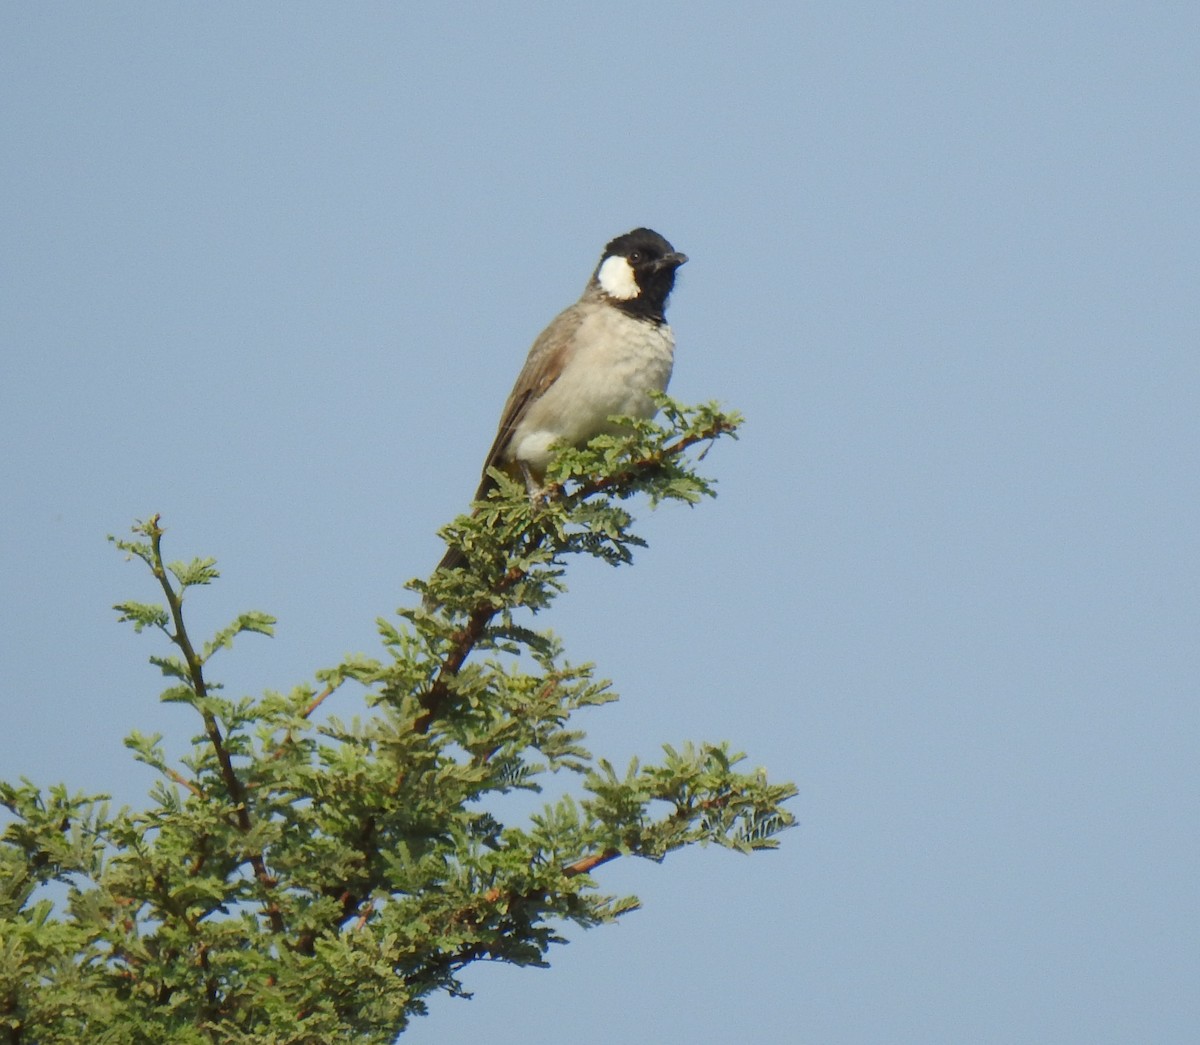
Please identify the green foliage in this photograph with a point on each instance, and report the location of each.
(305, 879)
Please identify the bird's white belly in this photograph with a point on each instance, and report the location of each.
(620, 361)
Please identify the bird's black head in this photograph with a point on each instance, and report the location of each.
(637, 273)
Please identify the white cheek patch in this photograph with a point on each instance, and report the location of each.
(617, 279)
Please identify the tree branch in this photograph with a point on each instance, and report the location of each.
(233, 784)
(434, 699)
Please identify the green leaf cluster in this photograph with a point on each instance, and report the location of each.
(309, 876)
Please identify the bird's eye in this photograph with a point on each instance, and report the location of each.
(635, 256)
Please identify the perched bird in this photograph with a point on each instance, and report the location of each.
(598, 358)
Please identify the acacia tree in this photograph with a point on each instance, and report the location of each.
(299, 877)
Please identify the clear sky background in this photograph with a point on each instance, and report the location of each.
(270, 269)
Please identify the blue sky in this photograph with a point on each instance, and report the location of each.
(271, 269)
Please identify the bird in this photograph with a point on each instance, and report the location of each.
(600, 357)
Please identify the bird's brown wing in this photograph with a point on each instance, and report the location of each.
(543, 365)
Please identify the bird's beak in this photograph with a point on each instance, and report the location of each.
(672, 260)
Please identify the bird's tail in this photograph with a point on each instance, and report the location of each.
(456, 557)
(452, 560)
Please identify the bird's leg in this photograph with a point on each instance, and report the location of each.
(532, 486)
